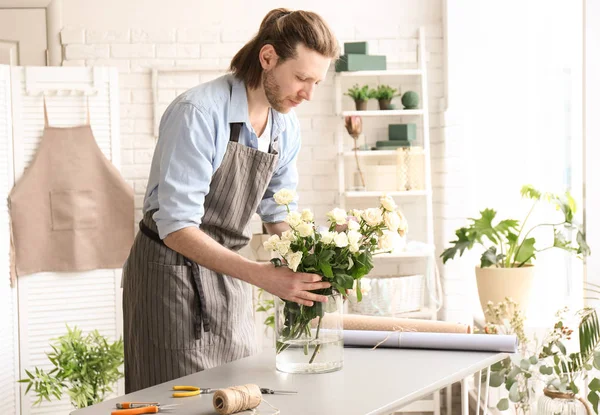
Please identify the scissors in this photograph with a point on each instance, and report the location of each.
(137, 408)
(193, 390)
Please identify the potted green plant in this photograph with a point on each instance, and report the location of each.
(506, 268)
(360, 95)
(86, 366)
(384, 94)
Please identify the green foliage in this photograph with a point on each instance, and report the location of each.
(363, 93)
(507, 244)
(86, 366)
(558, 368)
(385, 92)
(266, 306)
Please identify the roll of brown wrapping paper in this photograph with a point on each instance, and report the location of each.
(237, 398)
(378, 323)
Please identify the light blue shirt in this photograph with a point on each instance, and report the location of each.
(193, 136)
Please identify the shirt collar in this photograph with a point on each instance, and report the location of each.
(239, 109)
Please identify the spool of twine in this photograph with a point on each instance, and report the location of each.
(571, 396)
(237, 398)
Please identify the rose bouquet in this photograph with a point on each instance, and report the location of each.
(341, 253)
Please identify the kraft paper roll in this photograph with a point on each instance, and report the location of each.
(237, 398)
(377, 323)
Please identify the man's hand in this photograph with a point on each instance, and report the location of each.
(289, 285)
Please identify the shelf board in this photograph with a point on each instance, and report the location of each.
(382, 113)
(395, 193)
(372, 153)
(392, 72)
(400, 255)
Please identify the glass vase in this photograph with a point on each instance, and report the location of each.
(551, 403)
(309, 339)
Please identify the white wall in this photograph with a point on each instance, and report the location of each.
(136, 35)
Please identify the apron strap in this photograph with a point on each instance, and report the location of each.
(45, 114)
(234, 135)
(201, 312)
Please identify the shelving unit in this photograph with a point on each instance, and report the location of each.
(348, 196)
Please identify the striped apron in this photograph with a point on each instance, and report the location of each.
(178, 317)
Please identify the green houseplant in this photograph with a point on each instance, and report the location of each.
(506, 264)
(85, 365)
(384, 94)
(361, 95)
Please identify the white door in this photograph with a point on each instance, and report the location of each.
(23, 37)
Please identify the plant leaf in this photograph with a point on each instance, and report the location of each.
(502, 404)
(525, 251)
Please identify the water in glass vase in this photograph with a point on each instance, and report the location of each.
(321, 355)
(309, 339)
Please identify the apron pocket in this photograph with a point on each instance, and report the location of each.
(73, 209)
(174, 306)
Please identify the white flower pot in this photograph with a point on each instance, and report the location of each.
(495, 284)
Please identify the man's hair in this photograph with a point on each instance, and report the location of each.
(284, 29)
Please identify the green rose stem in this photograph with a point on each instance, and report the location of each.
(318, 346)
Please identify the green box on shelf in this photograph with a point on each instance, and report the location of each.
(355, 62)
(391, 145)
(359, 48)
(402, 132)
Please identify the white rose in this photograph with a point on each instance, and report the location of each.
(388, 203)
(338, 216)
(288, 236)
(327, 237)
(403, 227)
(284, 197)
(373, 216)
(357, 213)
(392, 221)
(283, 247)
(353, 248)
(353, 225)
(386, 241)
(307, 215)
(293, 260)
(271, 243)
(341, 240)
(305, 229)
(354, 237)
(293, 219)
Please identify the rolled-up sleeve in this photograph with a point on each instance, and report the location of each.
(284, 177)
(186, 169)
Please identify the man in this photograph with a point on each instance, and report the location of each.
(224, 148)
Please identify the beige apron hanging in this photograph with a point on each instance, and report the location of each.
(71, 210)
(179, 317)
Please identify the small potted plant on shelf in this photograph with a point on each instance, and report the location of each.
(506, 268)
(360, 95)
(384, 94)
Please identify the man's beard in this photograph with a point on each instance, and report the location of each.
(272, 90)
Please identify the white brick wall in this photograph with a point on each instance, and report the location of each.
(136, 49)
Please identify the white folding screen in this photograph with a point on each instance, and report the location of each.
(9, 368)
(47, 302)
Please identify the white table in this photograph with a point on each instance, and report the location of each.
(372, 382)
